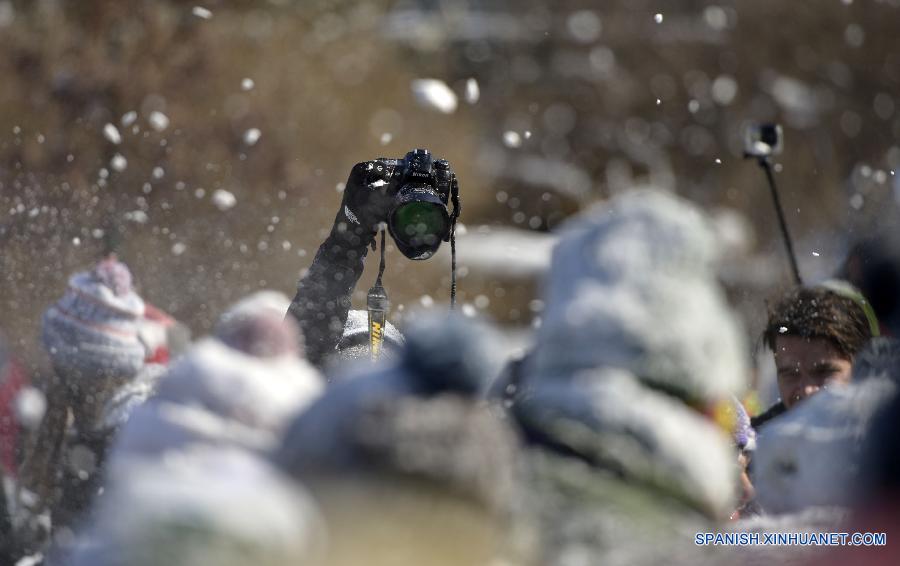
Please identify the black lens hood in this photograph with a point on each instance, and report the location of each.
(418, 192)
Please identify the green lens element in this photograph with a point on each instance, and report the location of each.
(420, 224)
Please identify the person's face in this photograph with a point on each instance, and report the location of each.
(806, 365)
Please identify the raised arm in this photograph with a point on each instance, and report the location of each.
(323, 294)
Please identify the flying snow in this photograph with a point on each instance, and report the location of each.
(138, 216)
(434, 94)
(252, 136)
(584, 26)
(473, 92)
(30, 406)
(724, 89)
(715, 17)
(158, 121)
(112, 134)
(223, 199)
(118, 162)
(512, 139)
(202, 12)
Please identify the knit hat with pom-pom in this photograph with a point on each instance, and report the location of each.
(91, 331)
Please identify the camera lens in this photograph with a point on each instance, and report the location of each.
(419, 226)
(420, 223)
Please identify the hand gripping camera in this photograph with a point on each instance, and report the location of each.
(421, 188)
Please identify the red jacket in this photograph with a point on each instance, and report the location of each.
(12, 381)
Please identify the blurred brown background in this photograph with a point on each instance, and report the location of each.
(578, 100)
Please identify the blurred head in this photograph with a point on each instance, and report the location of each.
(256, 326)
(91, 336)
(434, 491)
(812, 456)
(633, 286)
(91, 333)
(190, 509)
(407, 462)
(815, 334)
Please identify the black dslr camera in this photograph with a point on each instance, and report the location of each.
(415, 191)
(420, 188)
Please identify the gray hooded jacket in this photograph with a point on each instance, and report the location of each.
(636, 329)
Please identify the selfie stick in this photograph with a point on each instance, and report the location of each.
(763, 161)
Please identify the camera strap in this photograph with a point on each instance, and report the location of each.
(381, 263)
(454, 197)
(377, 305)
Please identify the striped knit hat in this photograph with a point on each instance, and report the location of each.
(92, 330)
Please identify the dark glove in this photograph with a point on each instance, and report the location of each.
(367, 202)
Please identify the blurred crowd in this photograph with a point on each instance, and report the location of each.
(625, 429)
